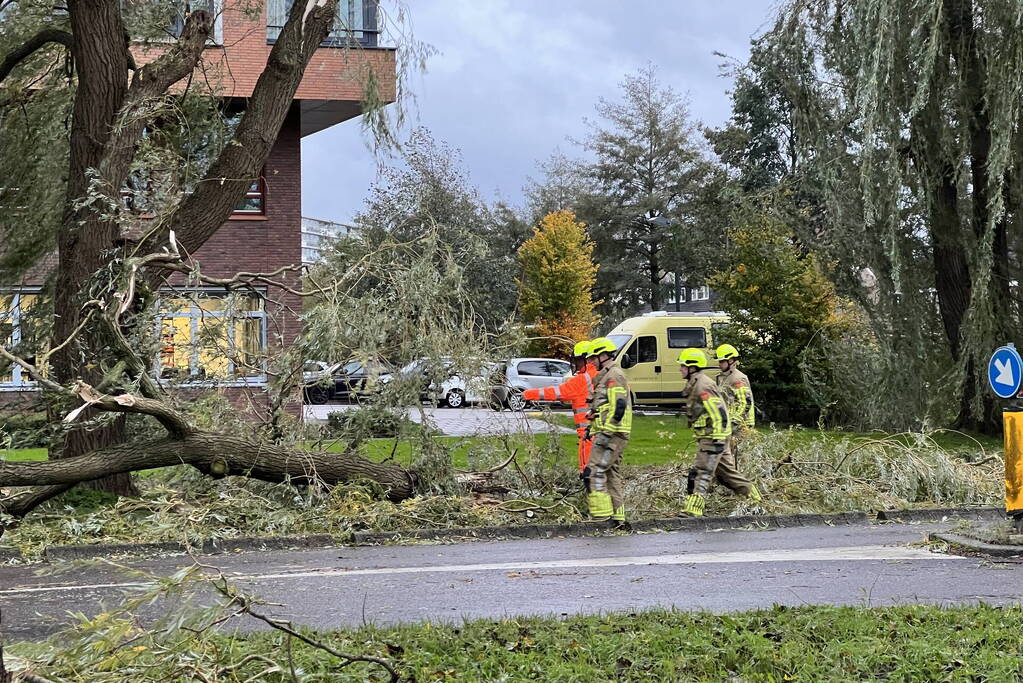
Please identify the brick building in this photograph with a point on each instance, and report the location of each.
(207, 339)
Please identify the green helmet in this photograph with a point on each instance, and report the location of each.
(601, 345)
(581, 348)
(727, 352)
(693, 358)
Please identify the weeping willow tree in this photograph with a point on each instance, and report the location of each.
(908, 116)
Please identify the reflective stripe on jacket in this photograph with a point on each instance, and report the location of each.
(610, 385)
(738, 395)
(708, 415)
(576, 391)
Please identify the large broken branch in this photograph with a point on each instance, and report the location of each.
(151, 82)
(216, 455)
(30, 46)
(205, 210)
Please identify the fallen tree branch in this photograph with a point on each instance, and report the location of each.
(216, 455)
(246, 603)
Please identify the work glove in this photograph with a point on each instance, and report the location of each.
(584, 476)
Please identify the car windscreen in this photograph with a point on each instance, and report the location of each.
(620, 340)
(351, 367)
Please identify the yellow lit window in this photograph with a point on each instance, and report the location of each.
(18, 331)
(209, 336)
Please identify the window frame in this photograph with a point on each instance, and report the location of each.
(368, 36)
(195, 315)
(703, 330)
(19, 378)
(260, 192)
(559, 368)
(214, 6)
(701, 293)
(639, 348)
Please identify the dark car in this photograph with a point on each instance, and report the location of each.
(329, 382)
(351, 379)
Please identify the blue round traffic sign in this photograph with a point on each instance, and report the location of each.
(1005, 372)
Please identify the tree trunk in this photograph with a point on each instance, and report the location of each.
(216, 455)
(655, 282)
(966, 53)
(101, 62)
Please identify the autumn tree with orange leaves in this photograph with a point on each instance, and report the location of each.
(556, 289)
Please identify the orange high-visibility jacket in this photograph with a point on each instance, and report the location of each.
(576, 391)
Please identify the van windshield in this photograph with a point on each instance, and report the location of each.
(620, 340)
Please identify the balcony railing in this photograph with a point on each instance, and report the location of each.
(355, 23)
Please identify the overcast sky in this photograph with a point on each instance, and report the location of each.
(514, 79)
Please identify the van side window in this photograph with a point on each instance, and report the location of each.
(647, 349)
(686, 337)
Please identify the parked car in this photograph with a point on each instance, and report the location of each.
(325, 382)
(526, 373)
(318, 381)
(441, 381)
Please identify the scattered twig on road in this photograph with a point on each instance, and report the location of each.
(245, 605)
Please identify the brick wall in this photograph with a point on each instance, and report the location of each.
(234, 67)
(245, 243)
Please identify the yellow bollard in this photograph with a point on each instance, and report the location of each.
(1012, 419)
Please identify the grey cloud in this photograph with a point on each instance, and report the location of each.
(515, 78)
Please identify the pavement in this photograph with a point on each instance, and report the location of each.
(468, 421)
(866, 564)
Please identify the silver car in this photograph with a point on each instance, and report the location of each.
(527, 373)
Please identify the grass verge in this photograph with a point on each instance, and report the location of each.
(906, 643)
(799, 471)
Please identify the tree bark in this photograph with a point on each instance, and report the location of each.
(966, 53)
(101, 151)
(101, 60)
(216, 455)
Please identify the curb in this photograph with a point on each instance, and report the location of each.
(937, 514)
(361, 538)
(208, 547)
(979, 547)
(588, 529)
(9, 554)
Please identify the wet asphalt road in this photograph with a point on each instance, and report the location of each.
(719, 571)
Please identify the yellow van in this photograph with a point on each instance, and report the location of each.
(648, 346)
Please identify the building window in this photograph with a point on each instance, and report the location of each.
(355, 23)
(699, 293)
(16, 332)
(206, 336)
(172, 14)
(254, 201)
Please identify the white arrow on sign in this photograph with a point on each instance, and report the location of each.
(1005, 374)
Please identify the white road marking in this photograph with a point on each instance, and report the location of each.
(848, 554)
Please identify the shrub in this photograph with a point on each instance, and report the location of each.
(369, 422)
(27, 430)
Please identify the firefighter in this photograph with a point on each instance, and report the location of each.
(611, 416)
(575, 391)
(708, 416)
(738, 395)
